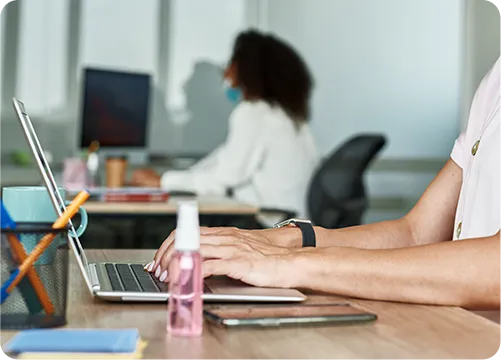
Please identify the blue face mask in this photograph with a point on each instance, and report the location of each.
(233, 94)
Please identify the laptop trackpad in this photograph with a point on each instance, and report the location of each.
(214, 282)
(226, 286)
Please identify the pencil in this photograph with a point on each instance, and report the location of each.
(70, 211)
(18, 250)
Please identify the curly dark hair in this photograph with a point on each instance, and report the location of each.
(267, 68)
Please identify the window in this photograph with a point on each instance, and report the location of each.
(121, 37)
(41, 78)
(2, 54)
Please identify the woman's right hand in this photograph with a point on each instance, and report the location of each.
(284, 237)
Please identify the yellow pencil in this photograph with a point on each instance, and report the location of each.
(61, 222)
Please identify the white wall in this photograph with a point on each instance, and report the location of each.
(42, 61)
(481, 49)
(120, 37)
(200, 30)
(389, 66)
(3, 3)
(2, 34)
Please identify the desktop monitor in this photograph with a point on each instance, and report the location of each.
(115, 110)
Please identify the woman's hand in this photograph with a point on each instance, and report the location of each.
(254, 263)
(228, 243)
(145, 178)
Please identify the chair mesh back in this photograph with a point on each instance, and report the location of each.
(340, 177)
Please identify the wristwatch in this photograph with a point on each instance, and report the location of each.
(306, 228)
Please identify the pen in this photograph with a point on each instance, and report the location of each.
(19, 255)
(18, 250)
(16, 277)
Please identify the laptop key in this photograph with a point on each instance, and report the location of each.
(131, 285)
(144, 278)
(115, 282)
(124, 271)
(141, 274)
(150, 283)
(127, 277)
(163, 287)
(110, 269)
(159, 286)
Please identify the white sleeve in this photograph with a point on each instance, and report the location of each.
(231, 164)
(209, 161)
(238, 158)
(182, 180)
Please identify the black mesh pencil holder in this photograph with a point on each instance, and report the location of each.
(39, 300)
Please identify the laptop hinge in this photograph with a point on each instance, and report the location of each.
(94, 280)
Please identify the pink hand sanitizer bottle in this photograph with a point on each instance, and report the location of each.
(185, 307)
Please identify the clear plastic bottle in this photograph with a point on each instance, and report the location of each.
(185, 317)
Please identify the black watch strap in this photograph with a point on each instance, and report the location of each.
(309, 239)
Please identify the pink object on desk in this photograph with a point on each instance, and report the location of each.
(185, 272)
(74, 174)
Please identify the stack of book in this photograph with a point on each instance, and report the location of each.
(76, 344)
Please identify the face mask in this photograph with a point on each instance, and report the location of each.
(234, 95)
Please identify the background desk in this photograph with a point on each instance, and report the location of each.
(207, 205)
(402, 331)
(146, 225)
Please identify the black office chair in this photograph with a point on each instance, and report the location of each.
(337, 196)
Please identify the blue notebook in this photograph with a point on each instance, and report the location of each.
(74, 341)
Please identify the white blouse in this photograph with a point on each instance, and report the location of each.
(265, 159)
(476, 151)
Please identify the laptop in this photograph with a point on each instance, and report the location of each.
(123, 282)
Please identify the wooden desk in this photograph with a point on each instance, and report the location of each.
(208, 205)
(402, 331)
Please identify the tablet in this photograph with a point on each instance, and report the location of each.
(275, 315)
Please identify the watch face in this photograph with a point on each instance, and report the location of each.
(291, 222)
(301, 221)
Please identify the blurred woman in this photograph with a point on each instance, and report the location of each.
(268, 130)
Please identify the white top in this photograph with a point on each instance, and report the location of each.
(478, 211)
(265, 160)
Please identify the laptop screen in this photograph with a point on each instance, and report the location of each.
(48, 178)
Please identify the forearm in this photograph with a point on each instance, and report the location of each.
(430, 221)
(383, 235)
(462, 273)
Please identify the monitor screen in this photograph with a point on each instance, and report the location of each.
(115, 108)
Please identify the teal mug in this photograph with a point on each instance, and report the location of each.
(32, 204)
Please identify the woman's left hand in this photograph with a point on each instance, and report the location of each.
(250, 261)
(239, 254)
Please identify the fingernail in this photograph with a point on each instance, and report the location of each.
(157, 273)
(152, 265)
(147, 266)
(163, 276)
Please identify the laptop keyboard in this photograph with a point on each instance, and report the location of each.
(133, 278)
(148, 282)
